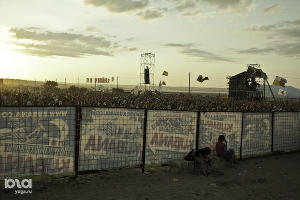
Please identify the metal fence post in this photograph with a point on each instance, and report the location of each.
(242, 128)
(272, 139)
(77, 138)
(144, 140)
(197, 130)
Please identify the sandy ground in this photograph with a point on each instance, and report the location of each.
(274, 177)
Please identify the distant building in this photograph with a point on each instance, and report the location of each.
(246, 85)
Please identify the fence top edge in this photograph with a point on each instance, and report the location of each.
(38, 107)
(191, 111)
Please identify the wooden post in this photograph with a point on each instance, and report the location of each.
(189, 83)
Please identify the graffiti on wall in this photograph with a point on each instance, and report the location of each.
(257, 133)
(110, 138)
(169, 135)
(36, 141)
(286, 131)
(214, 124)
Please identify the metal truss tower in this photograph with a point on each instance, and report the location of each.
(147, 64)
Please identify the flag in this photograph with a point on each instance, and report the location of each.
(165, 73)
(96, 80)
(91, 80)
(201, 79)
(281, 92)
(163, 83)
(87, 80)
(279, 81)
(160, 84)
(112, 79)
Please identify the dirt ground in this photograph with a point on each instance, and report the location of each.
(274, 177)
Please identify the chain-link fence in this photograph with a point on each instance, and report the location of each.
(214, 124)
(110, 138)
(170, 135)
(286, 134)
(256, 134)
(36, 141)
(55, 140)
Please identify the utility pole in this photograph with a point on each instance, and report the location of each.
(189, 83)
(264, 89)
(271, 90)
(117, 82)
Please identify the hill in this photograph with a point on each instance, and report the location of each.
(291, 92)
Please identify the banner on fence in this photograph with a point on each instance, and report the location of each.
(110, 138)
(170, 135)
(286, 131)
(214, 124)
(257, 134)
(36, 141)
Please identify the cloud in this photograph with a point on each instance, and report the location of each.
(255, 50)
(184, 4)
(284, 39)
(39, 42)
(286, 49)
(262, 27)
(133, 49)
(284, 30)
(275, 26)
(230, 5)
(186, 45)
(66, 50)
(294, 22)
(150, 14)
(191, 13)
(273, 9)
(291, 33)
(21, 33)
(185, 8)
(191, 51)
(119, 6)
(191, 7)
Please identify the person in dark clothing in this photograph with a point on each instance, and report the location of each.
(204, 152)
(200, 158)
(221, 149)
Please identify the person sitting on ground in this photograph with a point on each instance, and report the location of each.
(204, 152)
(221, 149)
(201, 158)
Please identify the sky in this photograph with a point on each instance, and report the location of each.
(58, 39)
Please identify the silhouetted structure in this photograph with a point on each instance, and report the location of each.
(147, 70)
(245, 85)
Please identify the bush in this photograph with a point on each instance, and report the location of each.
(50, 85)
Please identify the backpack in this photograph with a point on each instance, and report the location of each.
(190, 156)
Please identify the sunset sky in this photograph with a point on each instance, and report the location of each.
(54, 39)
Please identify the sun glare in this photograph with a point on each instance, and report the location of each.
(12, 63)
